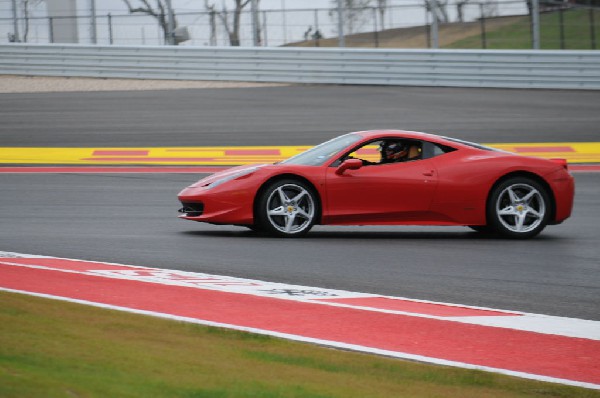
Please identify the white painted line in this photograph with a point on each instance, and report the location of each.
(538, 323)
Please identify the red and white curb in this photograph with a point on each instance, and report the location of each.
(541, 347)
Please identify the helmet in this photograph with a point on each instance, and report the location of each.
(393, 151)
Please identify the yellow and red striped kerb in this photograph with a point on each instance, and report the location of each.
(574, 152)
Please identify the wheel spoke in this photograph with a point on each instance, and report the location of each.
(507, 211)
(519, 221)
(278, 211)
(512, 195)
(303, 214)
(297, 198)
(289, 222)
(534, 213)
(528, 197)
(282, 196)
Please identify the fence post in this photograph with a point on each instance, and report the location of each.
(427, 26)
(317, 35)
(284, 21)
(213, 28)
(26, 29)
(482, 24)
(592, 26)
(51, 29)
(110, 30)
(434, 25)
(535, 22)
(255, 22)
(561, 22)
(375, 28)
(93, 28)
(341, 38)
(170, 24)
(15, 21)
(264, 30)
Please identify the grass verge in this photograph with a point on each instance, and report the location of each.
(50, 348)
(576, 33)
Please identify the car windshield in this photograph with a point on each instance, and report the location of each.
(320, 154)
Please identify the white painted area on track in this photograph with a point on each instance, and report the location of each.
(19, 255)
(538, 323)
(329, 343)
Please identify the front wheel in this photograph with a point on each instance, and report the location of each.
(287, 208)
(519, 208)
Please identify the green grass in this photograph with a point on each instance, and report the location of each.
(518, 35)
(50, 348)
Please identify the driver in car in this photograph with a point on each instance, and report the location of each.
(395, 151)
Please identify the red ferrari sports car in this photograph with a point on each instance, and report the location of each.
(388, 177)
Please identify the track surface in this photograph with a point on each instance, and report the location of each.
(132, 218)
(302, 115)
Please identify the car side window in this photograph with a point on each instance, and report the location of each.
(386, 151)
(368, 153)
(431, 150)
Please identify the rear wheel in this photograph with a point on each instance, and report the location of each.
(519, 208)
(287, 208)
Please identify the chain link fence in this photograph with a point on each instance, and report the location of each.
(455, 24)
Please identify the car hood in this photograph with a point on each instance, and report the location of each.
(227, 173)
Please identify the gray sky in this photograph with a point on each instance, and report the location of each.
(198, 5)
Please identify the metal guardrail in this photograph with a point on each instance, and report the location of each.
(452, 68)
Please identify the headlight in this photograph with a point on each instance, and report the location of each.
(231, 177)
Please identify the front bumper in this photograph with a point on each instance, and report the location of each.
(191, 209)
(218, 206)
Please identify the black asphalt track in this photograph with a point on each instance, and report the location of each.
(132, 218)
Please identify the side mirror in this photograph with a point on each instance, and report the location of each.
(349, 164)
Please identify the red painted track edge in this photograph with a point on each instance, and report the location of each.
(387, 334)
(327, 343)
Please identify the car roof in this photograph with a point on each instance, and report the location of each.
(373, 134)
(416, 135)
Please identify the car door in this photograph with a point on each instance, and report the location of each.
(380, 194)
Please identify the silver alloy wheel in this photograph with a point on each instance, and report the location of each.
(520, 208)
(290, 208)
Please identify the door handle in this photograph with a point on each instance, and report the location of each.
(429, 173)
